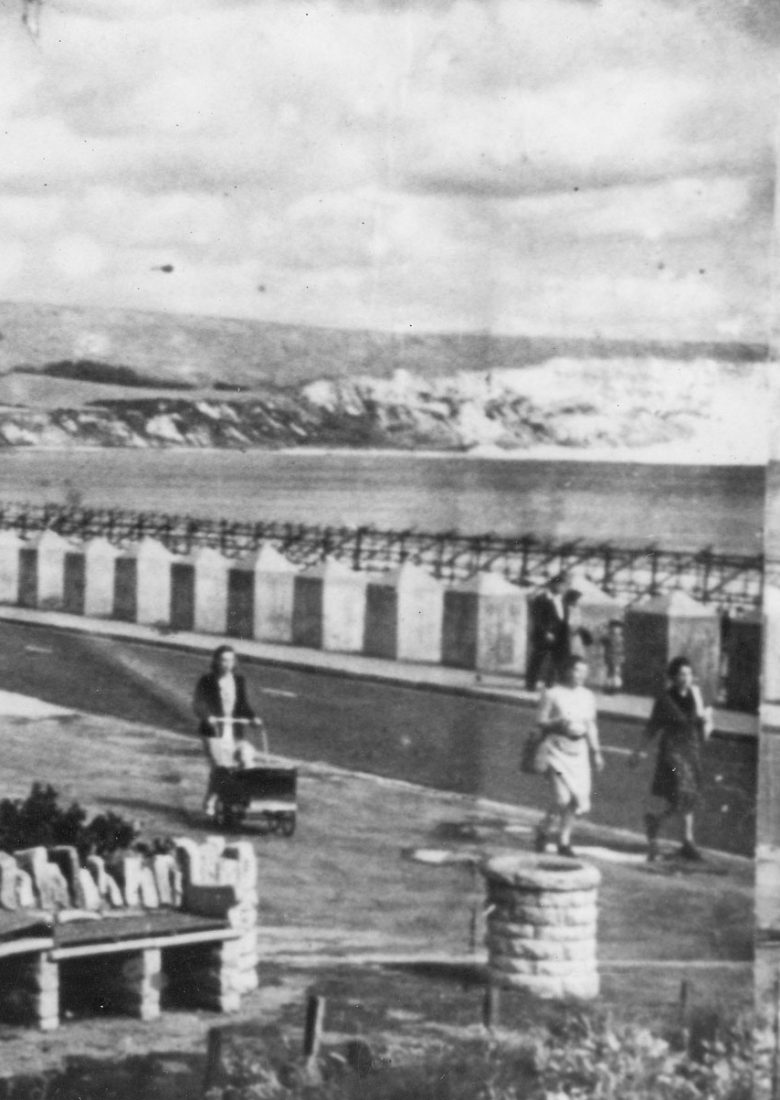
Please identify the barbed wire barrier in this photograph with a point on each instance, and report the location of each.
(729, 581)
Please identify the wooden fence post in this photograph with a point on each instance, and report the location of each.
(312, 1035)
(491, 1007)
(776, 1052)
(213, 1073)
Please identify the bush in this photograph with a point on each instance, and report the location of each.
(39, 820)
(584, 1060)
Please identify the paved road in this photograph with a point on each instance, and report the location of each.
(436, 739)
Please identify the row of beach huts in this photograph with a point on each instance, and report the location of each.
(402, 614)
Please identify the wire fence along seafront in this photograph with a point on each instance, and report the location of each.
(729, 581)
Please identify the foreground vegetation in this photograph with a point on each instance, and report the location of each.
(581, 1060)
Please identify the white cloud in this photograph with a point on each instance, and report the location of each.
(681, 207)
(77, 256)
(392, 161)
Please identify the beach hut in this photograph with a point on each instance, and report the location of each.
(89, 578)
(261, 591)
(404, 613)
(211, 591)
(142, 583)
(100, 560)
(10, 549)
(42, 570)
(671, 626)
(329, 607)
(597, 610)
(485, 625)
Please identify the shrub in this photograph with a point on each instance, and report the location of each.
(584, 1060)
(40, 820)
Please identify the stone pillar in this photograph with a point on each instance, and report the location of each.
(100, 561)
(10, 548)
(330, 608)
(667, 627)
(137, 983)
(404, 612)
(541, 927)
(205, 975)
(486, 625)
(211, 591)
(30, 990)
(261, 599)
(219, 880)
(39, 981)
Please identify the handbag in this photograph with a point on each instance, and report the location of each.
(529, 758)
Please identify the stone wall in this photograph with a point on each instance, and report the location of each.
(209, 969)
(541, 925)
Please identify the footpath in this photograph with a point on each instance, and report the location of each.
(379, 881)
(428, 677)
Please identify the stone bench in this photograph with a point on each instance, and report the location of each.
(195, 949)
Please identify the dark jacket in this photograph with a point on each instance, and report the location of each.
(208, 704)
(548, 628)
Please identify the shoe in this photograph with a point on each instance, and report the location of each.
(567, 851)
(690, 852)
(652, 825)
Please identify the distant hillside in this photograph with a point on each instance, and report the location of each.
(114, 378)
(702, 410)
(105, 374)
(215, 352)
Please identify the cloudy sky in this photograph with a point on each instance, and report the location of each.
(538, 166)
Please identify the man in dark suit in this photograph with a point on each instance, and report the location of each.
(549, 634)
(219, 695)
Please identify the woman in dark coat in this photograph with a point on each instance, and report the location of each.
(219, 694)
(684, 724)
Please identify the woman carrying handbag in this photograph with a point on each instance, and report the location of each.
(570, 738)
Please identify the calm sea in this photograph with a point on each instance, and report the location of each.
(675, 506)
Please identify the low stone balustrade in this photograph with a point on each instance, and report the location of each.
(129, 934)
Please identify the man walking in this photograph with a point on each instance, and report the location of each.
(549, 634)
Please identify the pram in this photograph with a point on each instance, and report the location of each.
(263, 795)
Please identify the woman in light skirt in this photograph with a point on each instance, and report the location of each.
(567, 720)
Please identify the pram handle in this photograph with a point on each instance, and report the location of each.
(217, 720)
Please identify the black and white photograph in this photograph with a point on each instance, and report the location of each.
(389, 550)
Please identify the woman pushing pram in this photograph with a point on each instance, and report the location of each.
(224, 711)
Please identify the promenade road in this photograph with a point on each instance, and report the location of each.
(461, 739)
